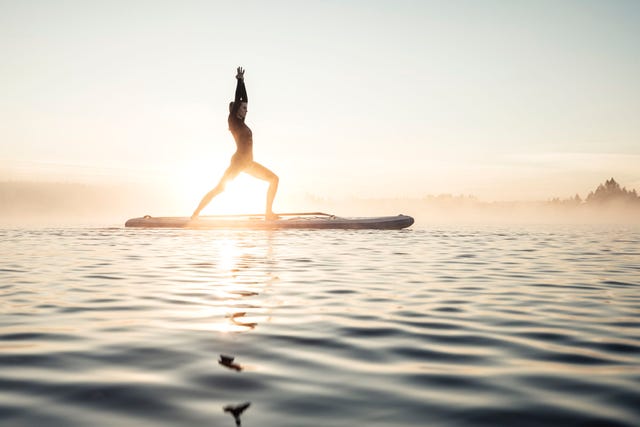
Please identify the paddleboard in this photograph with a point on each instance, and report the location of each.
(308, 220)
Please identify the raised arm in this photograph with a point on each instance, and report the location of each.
(241, 96)
(241, 91)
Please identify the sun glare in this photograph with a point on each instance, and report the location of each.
(243, 195)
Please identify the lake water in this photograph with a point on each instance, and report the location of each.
(430, 326)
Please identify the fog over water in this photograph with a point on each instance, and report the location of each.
(48, 203)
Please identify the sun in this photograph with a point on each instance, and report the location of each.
(243, 195)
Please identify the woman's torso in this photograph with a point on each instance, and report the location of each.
(243, 137)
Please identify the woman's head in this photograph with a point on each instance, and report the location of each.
(241, 112)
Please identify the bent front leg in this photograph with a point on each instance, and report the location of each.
(258, 171)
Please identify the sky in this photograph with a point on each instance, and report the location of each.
(503, 100)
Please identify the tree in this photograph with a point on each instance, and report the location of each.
(610, 191)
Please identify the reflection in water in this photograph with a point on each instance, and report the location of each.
(245, 262)
(448, 327)
(234, 316)
(228, 362)
(240, 265)
(236, 411)
(244, 293)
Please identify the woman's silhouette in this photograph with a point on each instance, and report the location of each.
(242, 160)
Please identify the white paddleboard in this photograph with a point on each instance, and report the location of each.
(311, 220)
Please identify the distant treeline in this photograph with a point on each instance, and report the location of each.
(609, 203)
(609, 193)
(20, 201)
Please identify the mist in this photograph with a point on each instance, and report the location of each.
(62, 203)
(447, 209)
(72, 204)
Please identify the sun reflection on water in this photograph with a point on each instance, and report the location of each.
(221, 288)
(244, 278)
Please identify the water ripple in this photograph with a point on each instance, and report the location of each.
(463, 326)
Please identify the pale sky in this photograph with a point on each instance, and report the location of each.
(504, 100)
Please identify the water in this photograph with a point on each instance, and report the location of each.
(439, 326)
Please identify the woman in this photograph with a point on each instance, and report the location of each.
(242, 160)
